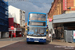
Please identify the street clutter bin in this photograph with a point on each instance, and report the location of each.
(69, 36)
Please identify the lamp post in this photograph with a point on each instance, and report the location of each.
(50, 20)
(12, 28)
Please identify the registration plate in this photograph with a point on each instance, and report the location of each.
(36, 41)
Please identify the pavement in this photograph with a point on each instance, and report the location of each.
(8, 41)
(63, 43)
(60, 42)
(12, 39)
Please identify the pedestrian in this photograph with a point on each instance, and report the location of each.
(49, 35)
(53, 34)
(23, 35)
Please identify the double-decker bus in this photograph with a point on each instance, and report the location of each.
(36, 27)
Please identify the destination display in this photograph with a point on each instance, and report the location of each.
(37, 23)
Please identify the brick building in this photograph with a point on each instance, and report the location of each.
(62, 12)
(59, 5)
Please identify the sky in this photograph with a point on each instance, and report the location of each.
(32, 6)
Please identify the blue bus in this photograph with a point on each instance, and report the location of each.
(36, 27)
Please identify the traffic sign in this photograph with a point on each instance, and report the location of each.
(50, 19)
(12, 27)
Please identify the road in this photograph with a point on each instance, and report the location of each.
(22, 45)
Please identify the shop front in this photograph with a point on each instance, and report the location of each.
(64, 22)
(16, 32)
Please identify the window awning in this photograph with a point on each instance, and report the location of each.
(64, 18)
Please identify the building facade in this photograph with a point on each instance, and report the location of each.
(22, 18)
(18, 19)
(61, 6)
(59, 11)
(3, 19)
(22, 21)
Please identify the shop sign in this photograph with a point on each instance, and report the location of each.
(74, 34)
(12, 29)
(18, 29)
(64, 4)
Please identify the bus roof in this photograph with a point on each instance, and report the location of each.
(36, 13)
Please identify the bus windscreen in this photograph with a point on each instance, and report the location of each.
(36, 31)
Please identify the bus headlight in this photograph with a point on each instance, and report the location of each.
(43, 37)
(27, 36)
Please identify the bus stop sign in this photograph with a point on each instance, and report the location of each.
(12, 27)
(50, 19)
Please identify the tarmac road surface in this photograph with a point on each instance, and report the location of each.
(22, 45)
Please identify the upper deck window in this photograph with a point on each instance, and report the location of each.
(39, 17)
